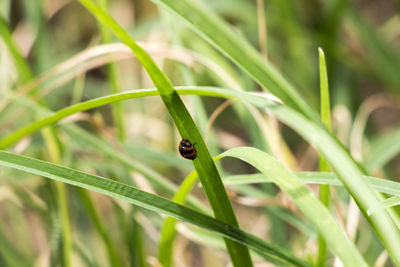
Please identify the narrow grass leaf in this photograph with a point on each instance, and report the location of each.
(324, 190)
(148, 201)
(379, 184)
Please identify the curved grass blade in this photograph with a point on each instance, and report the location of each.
(305, 200)
(148, 201)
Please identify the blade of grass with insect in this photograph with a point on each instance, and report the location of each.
(148, 201)
(292, 185)
(341, 244)
(204, 165)
(324, 190)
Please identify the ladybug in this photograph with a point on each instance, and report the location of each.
(187, 150)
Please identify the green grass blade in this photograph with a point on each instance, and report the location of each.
(324, 190)
(17, 135)
(379, 184)
(305, 200)
(324, 90)
(146, 200)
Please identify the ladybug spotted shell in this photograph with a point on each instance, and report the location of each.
(187, 150)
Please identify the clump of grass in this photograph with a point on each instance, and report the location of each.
(133, 142)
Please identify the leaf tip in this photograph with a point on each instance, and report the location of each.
(321, 52)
